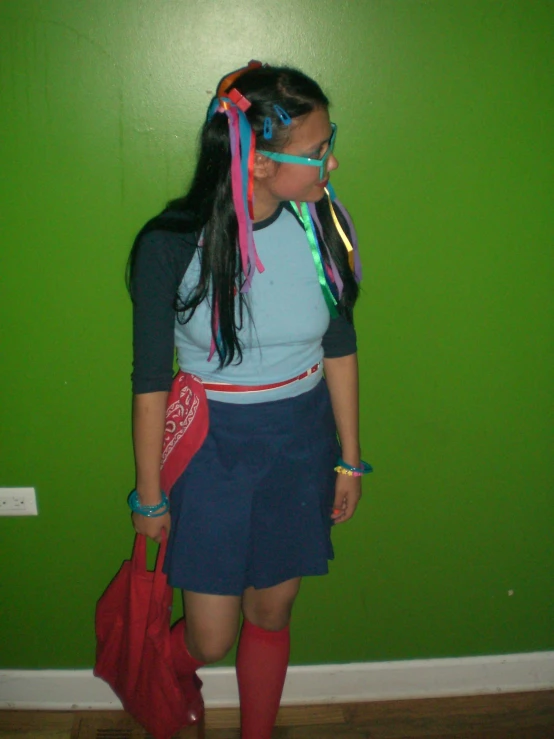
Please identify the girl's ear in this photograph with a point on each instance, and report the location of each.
(264, 167)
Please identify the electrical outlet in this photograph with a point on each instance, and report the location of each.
(18, 502)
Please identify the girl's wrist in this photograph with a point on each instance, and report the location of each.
(149, 496)
(352, 455)
(150, 511)
(343, 468)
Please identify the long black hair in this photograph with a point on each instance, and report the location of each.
(209, 203)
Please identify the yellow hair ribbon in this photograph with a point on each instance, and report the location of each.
(344, 237)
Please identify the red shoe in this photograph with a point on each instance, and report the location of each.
(195, 703)
(185, 667)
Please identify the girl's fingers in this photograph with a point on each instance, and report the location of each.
(345, 502)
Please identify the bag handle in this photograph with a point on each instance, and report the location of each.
(160, 588)
(138, 559)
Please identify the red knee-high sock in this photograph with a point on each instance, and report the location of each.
(262, 660)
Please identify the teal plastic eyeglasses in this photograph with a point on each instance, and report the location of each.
(278, 156)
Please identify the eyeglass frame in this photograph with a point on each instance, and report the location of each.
(279, 156)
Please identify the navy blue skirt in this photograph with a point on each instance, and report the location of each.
(253, 508)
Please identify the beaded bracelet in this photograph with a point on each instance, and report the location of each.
(346, 469)
(150, 511)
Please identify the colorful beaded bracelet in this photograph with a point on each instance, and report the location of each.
(150, 511)
(346, 469)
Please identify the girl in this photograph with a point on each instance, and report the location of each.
(252, 277)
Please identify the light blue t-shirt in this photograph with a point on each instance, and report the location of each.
(282, 338)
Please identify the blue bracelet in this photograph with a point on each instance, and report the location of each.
(363, 470)
(150, 511)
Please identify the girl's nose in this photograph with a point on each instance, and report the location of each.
(332, 163)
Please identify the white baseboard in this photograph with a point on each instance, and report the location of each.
(359, 681)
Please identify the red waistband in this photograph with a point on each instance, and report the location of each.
(222, 387)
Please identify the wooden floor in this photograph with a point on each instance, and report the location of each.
(501, 716)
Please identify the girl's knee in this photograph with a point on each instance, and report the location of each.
(207, 647)
(269, 620)
(271, 608)
(212, 625)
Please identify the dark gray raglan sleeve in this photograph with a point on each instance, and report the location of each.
(340, 339)
(161, 260)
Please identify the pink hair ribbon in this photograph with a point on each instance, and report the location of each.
(241, 144)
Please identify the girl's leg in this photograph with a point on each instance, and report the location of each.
(212, 623)
(211, 629)
(263, 656)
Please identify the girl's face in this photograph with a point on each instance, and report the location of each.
(276, 182)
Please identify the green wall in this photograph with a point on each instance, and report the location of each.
(445, 113)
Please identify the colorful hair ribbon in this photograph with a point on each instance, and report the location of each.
(243, 148)
(337, 279)
(344, 237)
(239, 100)
(351, 246)
(224, 87)
(333, 279)
(303, 213)
(242, 141)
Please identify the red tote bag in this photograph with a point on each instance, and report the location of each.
(133, 653)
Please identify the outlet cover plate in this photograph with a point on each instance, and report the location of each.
(18, 502)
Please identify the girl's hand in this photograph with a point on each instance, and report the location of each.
(151, 527)
(348, 491)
